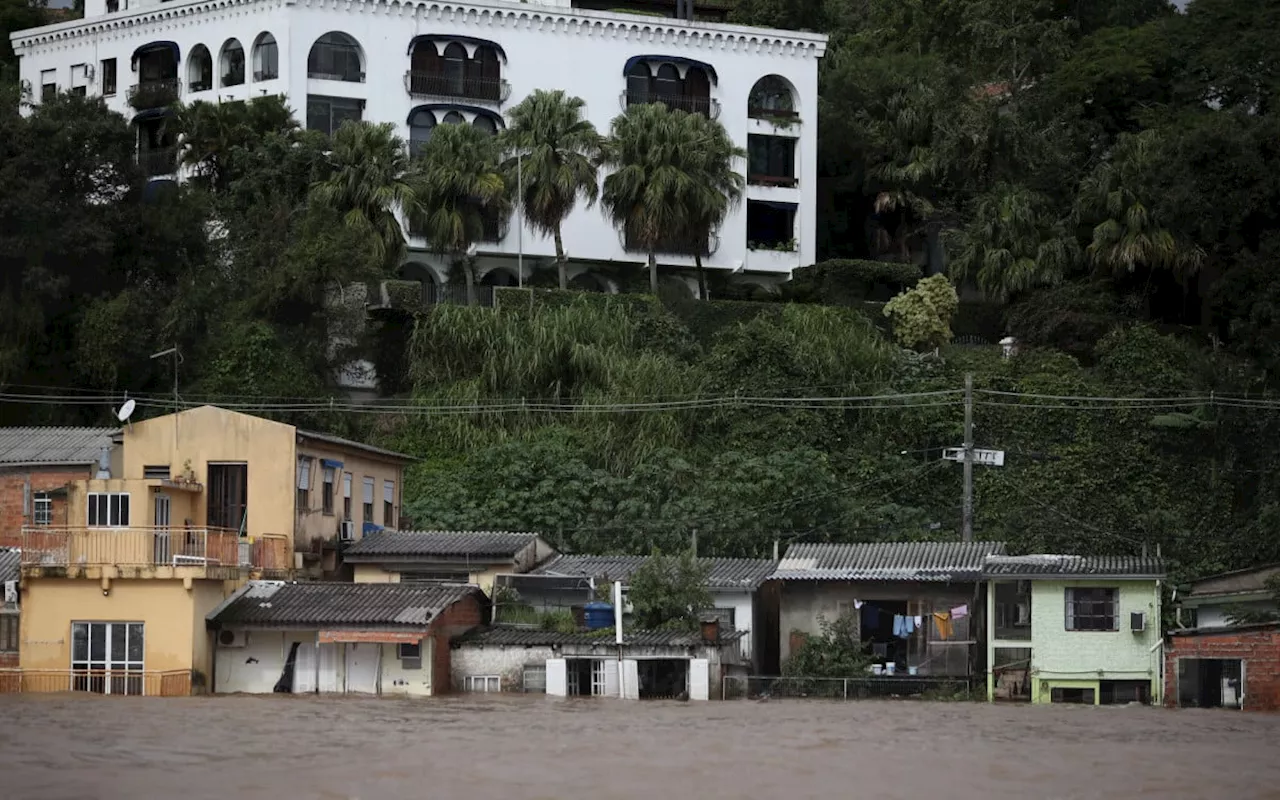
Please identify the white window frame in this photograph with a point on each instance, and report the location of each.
(111, 673)
(304, 473)
(409, 654)
(41, 509)
(482, 683)
(120, 520)
(389, 503)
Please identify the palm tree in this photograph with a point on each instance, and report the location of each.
(718, 186)
(369, 185)
(212, 132)
(458, 186)
(558, 150)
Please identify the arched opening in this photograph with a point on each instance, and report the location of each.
(638, 79)
(666, 84)
(424, 275)
(231, 63)
(483, 75)
(485, 123)
(335, 57)
(500, 276)
(771, 97)
(200, 69)
(420, 126)
(455, 69)
(697, 91)
(440, 67)
(588, 282)
(453, 118)
(266, 58)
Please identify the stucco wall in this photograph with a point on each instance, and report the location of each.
(1059, 653)
(313, 522)
(257, 666)
(168, 611)
(508, 662)
(374, 573)
(743, 615)
(409, 682)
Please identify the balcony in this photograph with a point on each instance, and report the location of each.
(151, 553)
(154, 94)
(674, 245)
(433, 84)
(145, 683)
(781, 181)
(158, 162)
(694, 104)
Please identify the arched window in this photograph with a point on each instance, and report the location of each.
(420, 127)
(638, 80)
(666, 84)
(483, 75)
(266, 58)
(335, 57)
(200, 69)
(231, 63)
(453, 118)
(771, 97)
(697, 91)
(485, 123)
(455, 68)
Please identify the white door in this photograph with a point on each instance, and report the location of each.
(304, 669)
(163, 519)
(699, 679)
(329, 668)
(557, 678)
(630, 679)
(362, 667)
(611, 678)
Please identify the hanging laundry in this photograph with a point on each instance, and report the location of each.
(919, 620)
(857, 604)
(959, 612)
(898, 624)
(908, 626)
(942, 621)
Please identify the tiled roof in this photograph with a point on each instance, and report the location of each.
(275, 604)
(354, 445)
(724, 573)
(31, 446)
(443, 544)
(1069, 566)
(10, 561)
(886, 561)
(526, 637)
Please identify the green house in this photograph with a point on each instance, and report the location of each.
(1073, 629)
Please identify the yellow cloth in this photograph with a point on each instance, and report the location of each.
(943, 621)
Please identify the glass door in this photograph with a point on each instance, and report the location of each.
(107, 657)
(163, 549)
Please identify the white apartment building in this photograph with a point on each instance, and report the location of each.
(421, 63)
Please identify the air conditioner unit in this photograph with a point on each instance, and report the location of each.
(233, 638)
(347, 530)
(1137, 622)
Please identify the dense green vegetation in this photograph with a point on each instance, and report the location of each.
(1111, 171)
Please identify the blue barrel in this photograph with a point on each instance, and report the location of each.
(598, 615)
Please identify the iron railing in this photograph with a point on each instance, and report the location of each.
(419, 83)
(146, 683)
(154, 94)
(694, 104)
(673, 245)
(46, 547)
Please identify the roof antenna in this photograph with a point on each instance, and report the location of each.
(177, 359)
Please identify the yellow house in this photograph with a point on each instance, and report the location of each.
(192, 504)
(473, 557)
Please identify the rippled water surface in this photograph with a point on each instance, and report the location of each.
(511, 747)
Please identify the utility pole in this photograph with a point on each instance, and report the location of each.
(695, 543)
(966, 531)
(177, 359)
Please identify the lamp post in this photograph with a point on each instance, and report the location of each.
(520, 218)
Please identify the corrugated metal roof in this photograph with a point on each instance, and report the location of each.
(444, 544)
(886, 561)
(723, 573)
(1052, 565)
(1241, 581)
(23, 446)
(524, 637)
(10, 565)
(354, 445)
(274, 604)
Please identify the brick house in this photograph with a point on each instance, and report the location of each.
(367, 638)
(36, 464)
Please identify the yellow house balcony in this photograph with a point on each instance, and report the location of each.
(162, 553)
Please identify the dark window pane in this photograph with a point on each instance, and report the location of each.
(119, 634)
(135, 642)
(79, 641)
(97, 642)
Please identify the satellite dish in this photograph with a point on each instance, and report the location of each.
(126, 410)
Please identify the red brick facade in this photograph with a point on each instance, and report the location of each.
(16, 506)
(457, 619)
(1257, 646)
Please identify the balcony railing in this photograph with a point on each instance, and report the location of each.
(674, 245)
(147, 683)
(694, 104)
(62, 549)
(784, 181)
(432, 84)
(160, 161)
(154, 94)
(782, 115)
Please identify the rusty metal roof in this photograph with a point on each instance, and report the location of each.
(440, 544)
(330, 604)
(20, 447)
(886, 561)
(528, 637)
(723, 573)
(1072, 566)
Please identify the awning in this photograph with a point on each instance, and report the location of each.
(331, 462)
(775, 204)
(463, 40)
(679, 60)
(153, 113)
(477, 110)
(385, 637)
(151, 47)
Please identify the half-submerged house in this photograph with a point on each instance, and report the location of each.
(474, 557)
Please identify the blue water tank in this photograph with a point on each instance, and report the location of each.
(598, 615)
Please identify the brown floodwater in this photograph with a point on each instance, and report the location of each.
(509, 747)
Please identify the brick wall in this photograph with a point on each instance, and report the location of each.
(11, 498)
(457, 619)
(1259, 648)
(506, 662)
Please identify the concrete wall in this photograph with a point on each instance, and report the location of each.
(18, 488)
(390, 573)
(409, 682)
(1061, 655)
(1258, 647)
(312, 522)
(168, 611)
(257, 666)
(743, 615)
(507, 662)
(374, 573)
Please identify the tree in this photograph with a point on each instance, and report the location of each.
(369, 185)
(669, 592)
(458, 190)
(216, 135)
(717, 187)
(922, 315)
(654, 177)
(558, 151)
(836, 652)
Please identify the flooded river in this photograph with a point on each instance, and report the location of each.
(513, 747)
